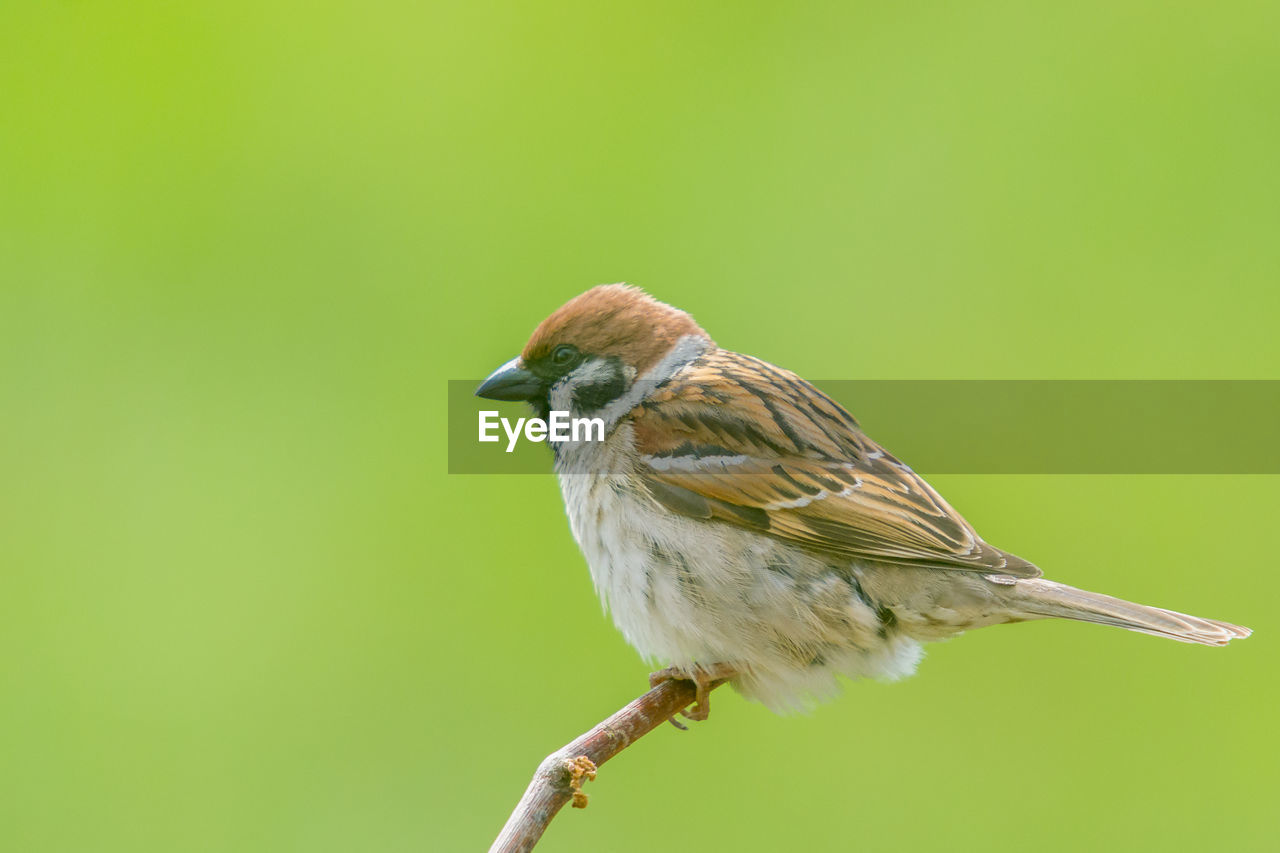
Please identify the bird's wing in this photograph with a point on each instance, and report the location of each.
(734, 439)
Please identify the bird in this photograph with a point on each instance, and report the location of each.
(739, 526)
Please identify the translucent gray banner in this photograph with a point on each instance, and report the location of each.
(995, 426)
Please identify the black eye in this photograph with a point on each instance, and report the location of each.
(564, 355)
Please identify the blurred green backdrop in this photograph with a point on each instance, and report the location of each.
(243, 245)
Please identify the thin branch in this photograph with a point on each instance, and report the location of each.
(560, 776)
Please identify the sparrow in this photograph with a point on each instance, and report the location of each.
(740, 526)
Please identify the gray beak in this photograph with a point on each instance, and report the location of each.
(511, 382)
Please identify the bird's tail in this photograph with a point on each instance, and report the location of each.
(1039, 597)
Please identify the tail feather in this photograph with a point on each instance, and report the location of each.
(1039, 597)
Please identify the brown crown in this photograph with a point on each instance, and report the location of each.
(614, 320)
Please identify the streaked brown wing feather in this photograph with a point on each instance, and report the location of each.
(787, 460)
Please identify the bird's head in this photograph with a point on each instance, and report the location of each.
(593, 350)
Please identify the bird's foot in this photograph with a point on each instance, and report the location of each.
(703, 677)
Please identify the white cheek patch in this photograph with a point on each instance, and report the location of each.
(578, 455)
(592, 372)
(560, 396)
(595, 371)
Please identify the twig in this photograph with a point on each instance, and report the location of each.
(560, 776)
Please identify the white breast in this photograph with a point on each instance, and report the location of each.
(685, 591)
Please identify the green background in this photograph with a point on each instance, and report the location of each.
(244, 245)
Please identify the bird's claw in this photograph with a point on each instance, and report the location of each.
(704, 678)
